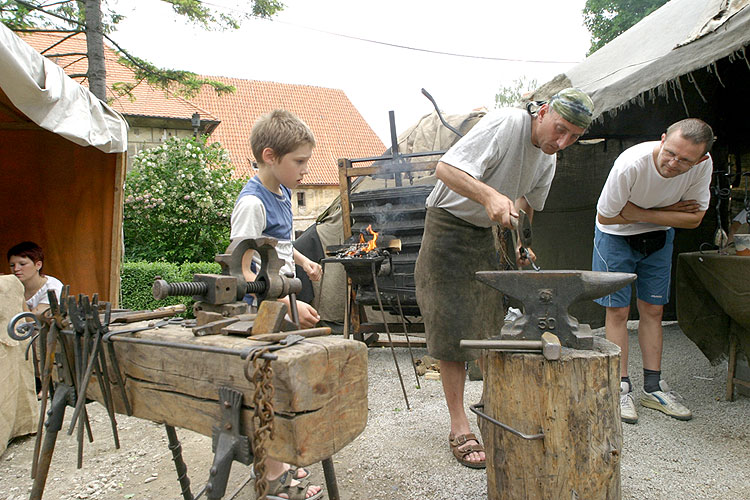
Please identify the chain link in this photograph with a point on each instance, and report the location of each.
(262, 379)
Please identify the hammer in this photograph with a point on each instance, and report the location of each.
(549, 345)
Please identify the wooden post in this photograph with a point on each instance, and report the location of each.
(574, 402)
(345, 189)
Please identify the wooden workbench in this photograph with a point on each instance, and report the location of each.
(320, 399)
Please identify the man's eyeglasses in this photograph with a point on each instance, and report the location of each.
(682, 162)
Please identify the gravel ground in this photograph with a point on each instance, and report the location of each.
(403, 454)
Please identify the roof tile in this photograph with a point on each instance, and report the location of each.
(339, 129)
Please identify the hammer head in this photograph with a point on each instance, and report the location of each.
(551, 347)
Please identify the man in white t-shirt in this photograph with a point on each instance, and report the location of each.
(506, 162)
(652, 188)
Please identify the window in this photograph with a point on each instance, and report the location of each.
(300, 199)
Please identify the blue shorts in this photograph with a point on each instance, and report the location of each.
(612, 253)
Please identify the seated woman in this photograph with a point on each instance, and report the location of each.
(26, 261)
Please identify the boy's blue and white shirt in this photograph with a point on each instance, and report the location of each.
(260, 212)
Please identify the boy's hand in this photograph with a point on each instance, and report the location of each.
(308, 316)
(313, 270)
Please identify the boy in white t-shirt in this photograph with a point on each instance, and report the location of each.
(652, 188)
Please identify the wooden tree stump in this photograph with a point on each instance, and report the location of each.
(574, 402)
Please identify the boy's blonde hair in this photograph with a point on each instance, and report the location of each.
(281, 131)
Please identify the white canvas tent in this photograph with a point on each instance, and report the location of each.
(63, 164)
(659, 54)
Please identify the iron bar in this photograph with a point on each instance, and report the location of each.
(330, 475)
(388, 332)
(477, 410)
(176, 448)
(408, 342)
(244, 353)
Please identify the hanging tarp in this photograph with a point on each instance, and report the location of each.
(47, 96)
(678, 38)
(62, 158)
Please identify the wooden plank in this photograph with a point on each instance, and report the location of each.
(115, 257)
(392, 168)
(415, 342)
(345, 190)
(320, 389)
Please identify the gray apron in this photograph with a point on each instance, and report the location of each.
(454, 305)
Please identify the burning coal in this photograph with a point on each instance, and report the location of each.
(364, 248)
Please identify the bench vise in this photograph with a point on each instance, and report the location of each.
(223, 293)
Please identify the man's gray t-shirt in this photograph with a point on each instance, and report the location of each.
(497, 151)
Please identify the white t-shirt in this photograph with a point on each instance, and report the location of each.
(40, 297)
(497, 151)
(634, 179)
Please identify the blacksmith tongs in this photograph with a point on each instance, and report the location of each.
(523, 232)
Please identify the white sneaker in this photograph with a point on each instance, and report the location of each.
(666, 401)
(627, 405)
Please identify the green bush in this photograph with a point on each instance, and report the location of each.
(178, 200)
(137, 279)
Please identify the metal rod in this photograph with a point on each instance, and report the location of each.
(387, 331)
(92, 358)
(104, 385)
(407, 155)
(244, 353)
(505, 345)
(408, 342)
(46, 382)
(440, 115)
(531, 437)
(330, 475)
(179, 464)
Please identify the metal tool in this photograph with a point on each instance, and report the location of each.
(546, 297)
(549, 345)
(523, 233)
(224, 293)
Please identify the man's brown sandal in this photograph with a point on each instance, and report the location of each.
(461, 450)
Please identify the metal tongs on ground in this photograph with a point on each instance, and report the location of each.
(523, 233)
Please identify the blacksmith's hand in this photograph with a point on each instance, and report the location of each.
(501, 209)
(525, 259)
(313, 270)
(308, 316)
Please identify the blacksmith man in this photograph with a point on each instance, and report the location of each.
(505, 163)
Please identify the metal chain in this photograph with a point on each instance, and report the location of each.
(262, 379)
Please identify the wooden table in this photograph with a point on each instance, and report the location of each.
(712, 293)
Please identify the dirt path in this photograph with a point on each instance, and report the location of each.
(404, 455)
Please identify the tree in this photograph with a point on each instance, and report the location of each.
(607, 19)
(87, 16)
(178, 200)
(511, 95)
